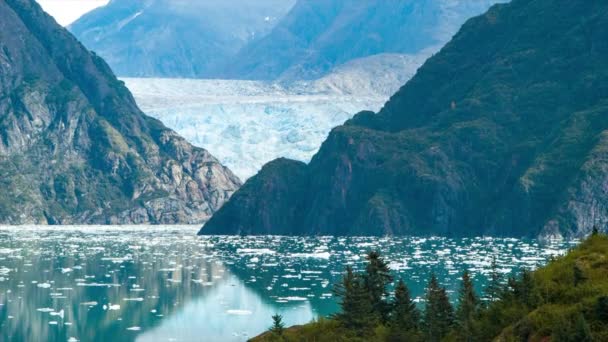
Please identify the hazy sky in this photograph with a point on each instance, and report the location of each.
(67, 11)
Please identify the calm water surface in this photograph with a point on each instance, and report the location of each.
(163, 283)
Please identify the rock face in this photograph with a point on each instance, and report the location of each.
(74, 147)
(502, 132)
(175, 38)
(318, 35)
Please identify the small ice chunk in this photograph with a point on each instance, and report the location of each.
(60, 313)
(239, 312)
(93, 303)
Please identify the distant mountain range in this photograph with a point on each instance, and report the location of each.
(175, 38)
(265, 39)
(74, 146)
(503, 132)
(319, 35)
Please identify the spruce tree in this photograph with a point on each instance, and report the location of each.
(438, 314)
(356, 312)
(523, 290)
(377, 277)
(277, 325)
(405, 317)
(467, 308)
(579, 275)
(494, 287)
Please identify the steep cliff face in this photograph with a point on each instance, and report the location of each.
(74, 147)
(502, 132)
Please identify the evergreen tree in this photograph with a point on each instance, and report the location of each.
(377, 277)
(579, 275)
(277, 325)
(405, 318)
(595, 230)
(524, 289)
(467, 308)
(438, 314)
(357, 313)
(601, 308)
(582, 332)
(573, 330)
(494, 287)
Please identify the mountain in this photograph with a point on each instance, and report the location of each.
(175, 38)
(318, 35)
(75, 148)
(502, 132)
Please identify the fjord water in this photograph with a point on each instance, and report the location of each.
(163, 283)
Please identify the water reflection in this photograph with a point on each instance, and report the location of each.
(166, 284)
(230, 311)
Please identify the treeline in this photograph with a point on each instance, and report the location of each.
(565, 301)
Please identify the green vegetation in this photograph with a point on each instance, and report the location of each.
(502, 132)
(567, 300)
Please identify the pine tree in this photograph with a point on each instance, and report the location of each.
(405, 317)
(377, 277)
(525, 290)
(494, 287)
(277, 325)
(601, 308)
(595, 230)
(438, 314)
(356, 313)
(579, 275)
(467, 307)
(582, 332)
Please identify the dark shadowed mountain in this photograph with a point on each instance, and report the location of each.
(502, 132)
(318, 35)
(175, 38)
(74, 147)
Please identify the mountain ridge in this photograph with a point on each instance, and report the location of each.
(74, 146)
(499, 133)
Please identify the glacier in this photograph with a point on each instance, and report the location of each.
(246, 124)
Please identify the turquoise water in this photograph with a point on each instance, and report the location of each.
(163, 283)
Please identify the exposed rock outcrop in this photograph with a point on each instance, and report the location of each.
(74, 147)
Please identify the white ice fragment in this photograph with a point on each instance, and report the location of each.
(239, 312)
(93, 303)
(138, 299)
(61, 313)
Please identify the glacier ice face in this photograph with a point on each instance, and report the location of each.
(246, 130)
(249, 123)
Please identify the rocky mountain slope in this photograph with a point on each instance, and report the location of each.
(502, 132)
(75, 148)
(318, 35)
(175, 38)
